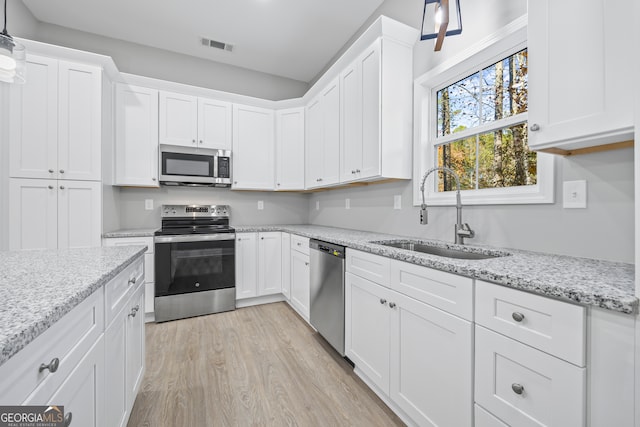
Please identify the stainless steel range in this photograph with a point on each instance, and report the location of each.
(194, 262)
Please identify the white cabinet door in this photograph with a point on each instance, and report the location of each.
(580, 72)
(79, 121)
(82, 393)
(351, 121)
(300, 282)
(33, 214)
(313, 144)
(214, 124)
(246, 265)
(115, 338)
(368, 328)
(79, 214)
(331, 134)
(253, 148)
(269, 263)
(136, 136)
(178, 119)
(371, 87)
(135, 346)
(431, 367)
(33, 152)
(290, 149)
(286, 265)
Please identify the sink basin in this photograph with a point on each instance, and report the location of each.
(440, 251)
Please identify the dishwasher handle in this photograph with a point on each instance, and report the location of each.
(327, 248)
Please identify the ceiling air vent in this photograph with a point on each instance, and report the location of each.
(216, 44)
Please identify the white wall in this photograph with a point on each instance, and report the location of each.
(279, 208)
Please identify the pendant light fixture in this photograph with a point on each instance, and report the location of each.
(440, 18)
(12, 56)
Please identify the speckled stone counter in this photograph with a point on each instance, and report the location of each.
(140, 232)
(38, 287)
(604, 284)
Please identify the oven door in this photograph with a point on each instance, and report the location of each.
(194, 263)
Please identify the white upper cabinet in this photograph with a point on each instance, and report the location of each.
(253, 148)
(375, 111)
(136, 136)
(56, 121)
(322, 142)
(190, 121)
(580, 72)
(290, 149)
(178, 119)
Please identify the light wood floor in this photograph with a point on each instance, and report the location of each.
(256, 366)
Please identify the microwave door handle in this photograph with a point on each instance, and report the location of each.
(215, 166)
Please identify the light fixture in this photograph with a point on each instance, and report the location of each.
(12, 56)
(438, 15)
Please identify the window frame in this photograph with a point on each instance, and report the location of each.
(499, 45)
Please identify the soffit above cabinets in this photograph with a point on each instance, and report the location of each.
(288, 38)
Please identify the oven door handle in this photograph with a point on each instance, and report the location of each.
(195, 238)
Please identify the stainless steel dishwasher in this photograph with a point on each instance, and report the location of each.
(327, 291)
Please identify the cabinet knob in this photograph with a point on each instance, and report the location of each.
(392, 305)
(357, 170)
(319, 179)
(133, 312)
(534, 127)
(61, 170)
(278, 184)
(235, 182)
(132, 281)
(62, 187)
(262, 238)
(200, 141)
(517, 388)
(383, 301)
(50, 170)
(67, 419)
(352, 172)
(518, 317)
(193, 141)
(153, 178)
(306, 263)
(50, 187)
(52, 366)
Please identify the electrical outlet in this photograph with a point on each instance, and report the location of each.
(574, 194)
(317, 205)
(260, 205)
(148, 204)
(347, 203)
(397, 201)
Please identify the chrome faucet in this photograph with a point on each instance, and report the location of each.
(462, 230)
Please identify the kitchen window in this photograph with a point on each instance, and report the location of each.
(471, 116)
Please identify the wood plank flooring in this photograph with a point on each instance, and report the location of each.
(256, 366)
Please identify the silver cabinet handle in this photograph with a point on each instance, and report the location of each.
(133, 312)
(534, 127)
(50, 187)
(67, 419)
(52, 366)
(319, 179)
(357, 170)
(306, 263)
(62, 187)
(518, 317)
(352, 172)
(517, 388)
(137, 308)
(50, 170)
(383, 301)
(61, 170)
(132, 281)
(392, 305)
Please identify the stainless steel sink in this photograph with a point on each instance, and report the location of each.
(440, 251)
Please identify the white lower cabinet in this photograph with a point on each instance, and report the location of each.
(418, 355)
(286, 265)
(258, 264)
(300, 282)
(246, 265)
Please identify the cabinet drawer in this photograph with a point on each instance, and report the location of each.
(68, 340)
(485, 419)
(525, 387)
(372, 267)
(127, 241)
(118, 290)
(300, 244)
(446, 291)
(552, 326)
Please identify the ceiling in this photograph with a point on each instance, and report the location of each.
(289, 38)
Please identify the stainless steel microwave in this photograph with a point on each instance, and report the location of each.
(194, 166)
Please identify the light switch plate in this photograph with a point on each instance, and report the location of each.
(574, 194)
(347, 203)
(397, 201)
(317, 205)
(260, 205)
(148, 204)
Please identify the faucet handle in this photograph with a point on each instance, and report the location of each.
(466, 231)
(424, 215)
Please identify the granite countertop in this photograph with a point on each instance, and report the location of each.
(138, 232)
(38, 287)
(605, 284)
